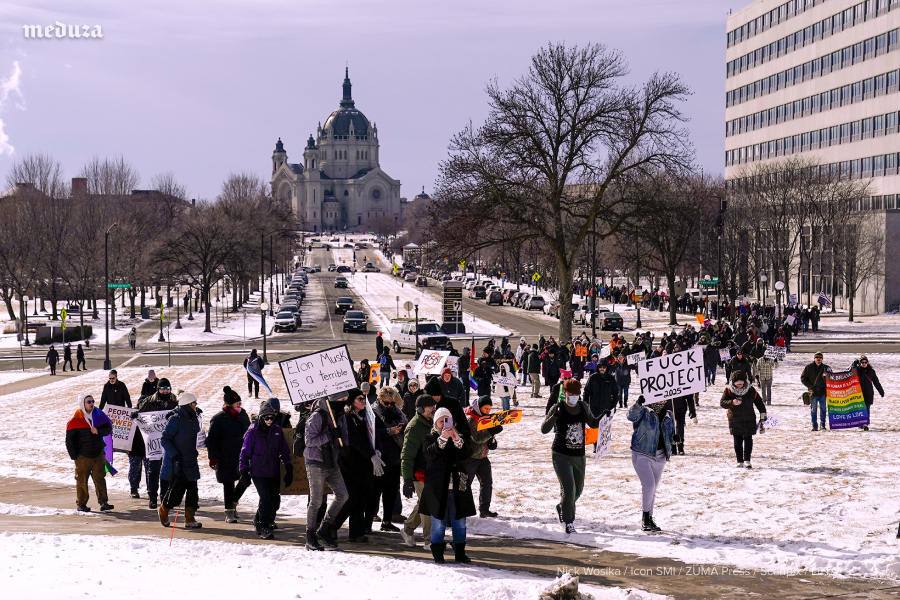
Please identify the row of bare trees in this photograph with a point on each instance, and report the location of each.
(54, 239)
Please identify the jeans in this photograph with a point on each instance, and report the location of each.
(177, 490)
(269, 490)
(820, 402)
(318, 476)
(233, 490)
(570, 473)
(135, 466)
(481, 468)
(623, 396)
(385, 379)
(439, 526)
(95, 469)
(535, 384)
(743, 447)
(765, 387)
(154, 485)
(504, 401)
(710, 374)
(415, 518)
(649, 470)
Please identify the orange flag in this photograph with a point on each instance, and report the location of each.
(700, 318)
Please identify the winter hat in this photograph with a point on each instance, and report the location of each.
(275, 403)
(424, 401)
(186, 398)
(446, 370)
(441, 413)
(266, 408)
(565, 373)
(230, 396)
(433, 387)
(413, 383)
(484, 401)
(818, 355)
(151, 374)
(164, 383)
(364, 387)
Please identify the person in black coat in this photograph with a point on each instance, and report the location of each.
(162, 400)
(740, 398)
(409, 399)
(79, 358)
(550, 368)
(446, 496)
(434, 389)
(601, 393)
(682, 406)
(484, 374)
(356, 464)
(180, 467)
(150, 385)
(115, 392)
(389, 425)
(868, 381)
(52, 359)
(67, 357)
(223, 445)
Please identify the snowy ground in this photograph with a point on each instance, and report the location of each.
(232, 570)
(816, 501)
(7, 377)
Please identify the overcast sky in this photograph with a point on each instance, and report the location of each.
(204, 88)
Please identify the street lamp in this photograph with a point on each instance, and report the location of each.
(706, 289)
(217, 311)
(417, 329)
(190, 306)
(107, 364)
(263, 307)
(178, 307)
(764, 281)
(25, 318)
(779, 286)
(162, 314)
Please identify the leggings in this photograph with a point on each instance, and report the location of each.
(649, 470)
(743, 447)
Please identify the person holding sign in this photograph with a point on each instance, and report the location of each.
(478, 464)
(357, 467)
(651, 447)
(325, 434)
(84, 442)
(162, 401)
(868, 381)
(567, 419)
(739, 398)
(223, 444)
(180, 467)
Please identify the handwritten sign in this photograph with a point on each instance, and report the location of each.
(724, 354)
(604, 437)
(123, 428)
(318, 375)
(672, 375)
(635, 357)
(843, 394)
(453, 363)
(775, 352)
(152, 425)
(506, 380)
(431, 362)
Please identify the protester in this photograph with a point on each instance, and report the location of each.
(739, 398)
(79, 358)
(84, 442)
(682, 406)
(764, 368)
(402, 382)
(162, 400)
(442, 391)
(223, 444)
(180, 468)
(387, 365)
(813, 377)
(622, 372)
(446, 497)
(533, 366)
(651, 447)
(409, 399)
(477, 464)
(567, 419)
(150, 385)
(256, 363)
(325, 431)
(67, 357)
(115, 392)
(358, 468)
(389, 425)
(52, 359)
(263, 453)
(452, 387)
(868, 381)
(412, 467)
(601, 393)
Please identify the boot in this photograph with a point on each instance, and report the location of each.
(163, 513)
(230, 516)
(312, 543)
(189, 521)
(265, 534)
(327, 535)
(679, 448)
(460, 553)
(437, 551)
(898, 532)
(648, 524)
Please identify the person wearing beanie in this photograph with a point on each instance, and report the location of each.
(179, 463)
(868, 381)
(223, 446)
(262, 454)
(477, 464)
(442, 389)
(409, 399)
(651, 447)
(357, 468)
(601, 391)
(739, 398)
(412, 466)
(84, 443)
(150, 385)
(446, 496)
(452, 386)
(402, 382)
(162, 400)
(813, 378)
(567, 419)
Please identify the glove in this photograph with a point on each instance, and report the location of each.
(377, 464)
(695, 421)
(213, 463)
(498, 429)
(763, 416)
(408, 489)
(245, 477)
(288, 475)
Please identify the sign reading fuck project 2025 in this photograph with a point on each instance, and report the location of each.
(672, 375)
(318, 375)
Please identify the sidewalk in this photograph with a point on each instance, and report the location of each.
(543, 558)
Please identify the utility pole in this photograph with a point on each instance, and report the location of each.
(593, 302)
(107, 364)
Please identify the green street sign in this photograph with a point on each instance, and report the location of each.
(113, 286)
(711, 282)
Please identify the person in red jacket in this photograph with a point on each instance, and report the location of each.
(84, 442)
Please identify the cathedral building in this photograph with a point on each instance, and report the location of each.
(339, 185)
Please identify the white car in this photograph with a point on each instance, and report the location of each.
(535, 303)
(431, 336)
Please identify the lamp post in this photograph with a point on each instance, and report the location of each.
(417, 329)
(25, 318)
(107, 364)
(765, 282)
(271, 272)
(162, 315)
(593, 287)
(779, 286)
(217, 311)
(178, 307)
(190, 306)
(706, 289)
(263, 307)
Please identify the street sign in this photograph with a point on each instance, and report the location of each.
(62, 315)
(536, 277)
(408, 306)
(457, 306)
(462, 265)
(113, 286)
(711, 282)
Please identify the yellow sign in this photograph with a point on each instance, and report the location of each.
(536, 277)
(462, 265)
(62, 315)
(396, 269)
(162, 312)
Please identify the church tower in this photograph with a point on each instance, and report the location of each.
(278, 156)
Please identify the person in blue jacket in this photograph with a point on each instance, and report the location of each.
(651, 447)
(179, 467)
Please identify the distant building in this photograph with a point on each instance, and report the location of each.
(339, 185)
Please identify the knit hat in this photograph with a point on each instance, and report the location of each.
(441, 413)
(276, 403)
(186, 398)
(565, 373)
(413, 383)
(433, 387)
(424, 401)
(230, 396)
(164, 383)
(266, 408)
(484, 401)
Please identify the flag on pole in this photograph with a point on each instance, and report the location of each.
(472, 366)
(823, 299)
(254, 372)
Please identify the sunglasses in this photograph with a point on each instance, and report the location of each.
(863, 362)
(268, 418)
(88, 401)
(165, 389)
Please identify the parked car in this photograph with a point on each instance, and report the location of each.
(495, 297)
(478, 292)
(470, 283)
(535, 303)
(287, 321)
(431, 337)
(340, 282)
(291, 308)
(315, 269)
(370, 268)
(332, 267)
(610, 320)
(521, 302)
(552, 308)
(421, 281)
(410, 276)
(344, 269)
(446, 277)
(356, 320)
(342, 305)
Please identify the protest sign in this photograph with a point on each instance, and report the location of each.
(504, 417)
(581, 350)
(453, 363)
(843, 396)
(507, 380)
(318, 375)
(604, 437)
(789, 320)
(775, 352)
(635, 358)
(724, 354)
(152, 425)
(122, 426)
(431, 362)
(374, 373)
(672, 375)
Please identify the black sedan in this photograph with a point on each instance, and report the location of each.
(340, 282)
(356, 320)
(343, 304)
(610, 320)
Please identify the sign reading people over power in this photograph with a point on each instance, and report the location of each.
(318, 375)
(672, 375)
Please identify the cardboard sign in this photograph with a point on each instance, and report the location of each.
(581, 351)
(152, 425)
(318, 375)
(453, 363)
(789, 320)
(604, 437)
(374, 373)
(635, 357)
(123, 428)
(431, 362)
(672, 375)
(508, 380)
(775, 352)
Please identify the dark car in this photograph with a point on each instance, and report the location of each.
(343, 269)
(356, 320)
(340, 282)
(478, 292)
(421, 281)
(495, 297)
(610, 320)
(343, 304)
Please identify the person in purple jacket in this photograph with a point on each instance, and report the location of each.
(264, 450)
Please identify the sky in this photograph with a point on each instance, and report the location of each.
(203, 89)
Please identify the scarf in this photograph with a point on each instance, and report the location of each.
(739, 392)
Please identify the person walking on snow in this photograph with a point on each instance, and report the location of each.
(84, 442)
(478, 464)
(412, 467)
(740, 398)
(325, 434)
(868, 381)
(67, 357)
(223, 445)
(262, 454)
(132, 338)
(813, 378)
(52, 359)
(79, 358)
(255, 362)
(180, 468)
(651, 447)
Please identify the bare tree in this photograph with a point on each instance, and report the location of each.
(110, 176)
(859, 253)
(42, 171)
(546, 160)
(17, 250)
(174, 195)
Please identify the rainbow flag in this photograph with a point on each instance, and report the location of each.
(843, 396)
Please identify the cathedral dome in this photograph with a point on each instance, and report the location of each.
(340, 120)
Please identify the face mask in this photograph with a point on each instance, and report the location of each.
(572, 400)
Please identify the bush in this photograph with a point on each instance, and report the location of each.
(73, 334)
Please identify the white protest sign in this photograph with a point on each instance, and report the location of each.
(789, 320)
(635, 358)
(152, 425)
(318, 375)
(672, 375)
(431, 362)
(123, 428)
(604, 437)
(724, 354)
(453, 363)
(776, 352)
(507, 380)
